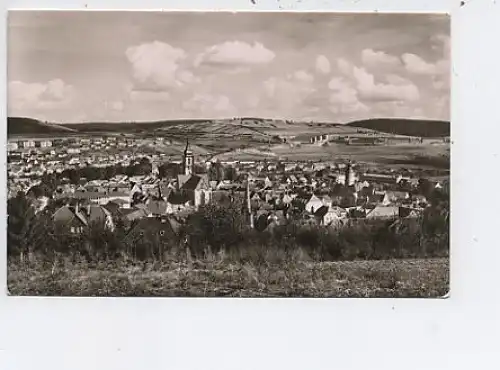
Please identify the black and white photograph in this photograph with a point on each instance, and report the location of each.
(228, 154)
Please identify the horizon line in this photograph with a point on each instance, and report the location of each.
(229, 118)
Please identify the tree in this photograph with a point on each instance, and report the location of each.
(72, 174)
(230, 173)
(169, 170)
(425, 187)
(25, 231)
(216, 226)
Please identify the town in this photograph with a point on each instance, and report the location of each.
(104, 178)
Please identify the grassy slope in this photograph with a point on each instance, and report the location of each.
(213, 277)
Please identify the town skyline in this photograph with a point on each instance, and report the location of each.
(69, 67)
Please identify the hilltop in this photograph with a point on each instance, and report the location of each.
(29, 126)
(407, 127)
(256, 129)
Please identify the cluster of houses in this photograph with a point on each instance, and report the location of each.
(28, 160)
(268, 197)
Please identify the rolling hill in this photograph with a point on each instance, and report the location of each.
(258, 128)
(127, 127)
(29, 126)
(408, 127)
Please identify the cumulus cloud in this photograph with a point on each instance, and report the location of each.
(344, 98)
(438, 71)
(344, 66)
(371, 57)
(52, 94)
(370, 90)
(157, 66)
(397, 79)
(302, 76)
(416, 64)
(236, 53)
(322, 64)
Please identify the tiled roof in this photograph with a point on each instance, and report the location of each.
(383, 212)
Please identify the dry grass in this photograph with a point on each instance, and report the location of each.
(216, 277)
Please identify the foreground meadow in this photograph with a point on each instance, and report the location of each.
(215, 277)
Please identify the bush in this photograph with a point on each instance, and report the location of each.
(223, 228)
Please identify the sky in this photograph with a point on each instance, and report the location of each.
(70, 67)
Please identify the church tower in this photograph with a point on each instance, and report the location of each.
(249, 203)
(155, 170)
(188, 162)
(349, 175)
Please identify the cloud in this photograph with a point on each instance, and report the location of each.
(397, 79)
(322, 65)
(235, 53)
(157, 66)
(439, 71)
(370, 90)
(344, 66)
(417, 65)
(302, 76)
(49, 95)
(344, 98)
(371, 57)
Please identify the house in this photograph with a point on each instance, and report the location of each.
(12, 146)
(419, 199)
(177, 201)
(77, 217)
(165, 230)
(156, 208)
(397, 196)
(383, 212)
(378, 178)
(313, 204)
(327, 215)
(136, 213)
(286, 199)
(70, 217)
(122, 197)
(97, 197)
(410, 212)
(378, 198)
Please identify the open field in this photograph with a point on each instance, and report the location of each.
(215, 277)
(382, 154)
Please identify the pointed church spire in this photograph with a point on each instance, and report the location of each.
(188, 160)
(187, 150)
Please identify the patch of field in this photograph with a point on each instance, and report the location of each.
(216, 278)
(413, 154)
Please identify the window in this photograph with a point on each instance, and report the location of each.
(162, 232)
